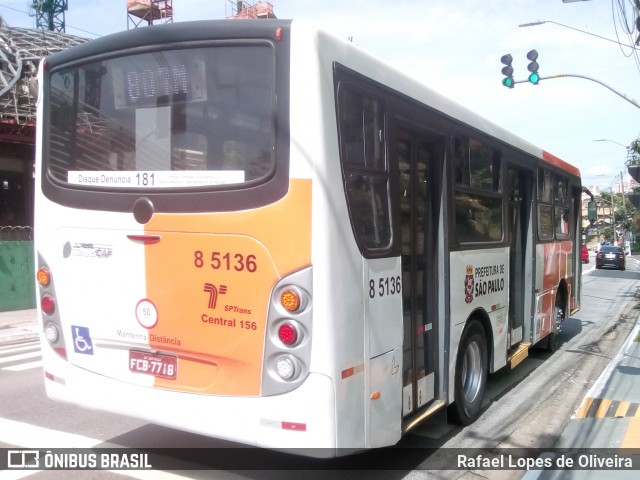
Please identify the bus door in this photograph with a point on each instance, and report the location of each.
(419, 155)
(520, 278)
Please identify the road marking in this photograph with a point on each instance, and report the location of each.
(632, 435)
(31, 346)
(22, 356)
(605, 408)
(24, 435)
(622, 409)
(22, 352)
(584, 408)
(24, 366)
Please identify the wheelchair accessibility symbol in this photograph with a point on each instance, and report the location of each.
(82, 340)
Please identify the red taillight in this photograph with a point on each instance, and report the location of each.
(48, 304)
(287, 334)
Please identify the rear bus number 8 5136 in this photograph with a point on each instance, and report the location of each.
(226, 261)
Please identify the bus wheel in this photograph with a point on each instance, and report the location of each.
(558, 317)
(471, 375)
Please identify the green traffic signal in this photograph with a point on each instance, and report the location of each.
(507, 70)
(532, 56)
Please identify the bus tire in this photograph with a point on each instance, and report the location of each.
(553, 342)
(471, 375)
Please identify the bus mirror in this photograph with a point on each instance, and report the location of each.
(592, 211)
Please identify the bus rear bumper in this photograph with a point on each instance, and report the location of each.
(300, 422)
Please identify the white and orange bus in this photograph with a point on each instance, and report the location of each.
(255, 231)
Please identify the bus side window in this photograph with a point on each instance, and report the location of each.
(561, 202)
(369, 208)
(545, 222)
(478, 179)
(562, 222)
(363, 157)
(461, 160)
(553, 206)
(478, 218)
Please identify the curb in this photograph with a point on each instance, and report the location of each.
(18, 338)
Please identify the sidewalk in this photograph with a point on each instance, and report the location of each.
(608, 418)
(18, 326)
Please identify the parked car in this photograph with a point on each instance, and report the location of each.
(610, 256)
(585, 254)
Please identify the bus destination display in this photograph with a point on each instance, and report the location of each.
(153, 85)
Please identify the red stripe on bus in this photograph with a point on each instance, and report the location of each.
(553, 160)
(299, 427)
(145, 239)
(352, 371)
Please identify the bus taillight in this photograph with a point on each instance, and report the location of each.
(43, 277)
(51, 332)
(51, 326)
(288, 339)
(288, 334)
(294, 299)
(48, 304)
(287, 367)
(290, 300)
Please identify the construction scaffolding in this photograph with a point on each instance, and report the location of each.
(49, 14)
(240, 9)
(140, 12)
(21, 50)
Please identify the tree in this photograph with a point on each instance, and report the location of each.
(633, 153)
(633, 159)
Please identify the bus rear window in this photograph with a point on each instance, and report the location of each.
(166, 119)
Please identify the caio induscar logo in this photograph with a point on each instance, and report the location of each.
(214, 292)
(468, 285)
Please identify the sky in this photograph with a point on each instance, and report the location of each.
(455, 48)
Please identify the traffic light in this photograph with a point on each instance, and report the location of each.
(534, 77)
(507, 70)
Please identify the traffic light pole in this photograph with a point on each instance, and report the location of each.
(561, 75)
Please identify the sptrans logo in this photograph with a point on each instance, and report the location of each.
(214, 292)
(468, 285)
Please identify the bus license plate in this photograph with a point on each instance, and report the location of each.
(158, 365)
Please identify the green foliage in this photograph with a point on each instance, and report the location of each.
(633, 153)
(627, 217)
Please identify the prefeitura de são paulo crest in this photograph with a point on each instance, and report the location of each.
(468, 285)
